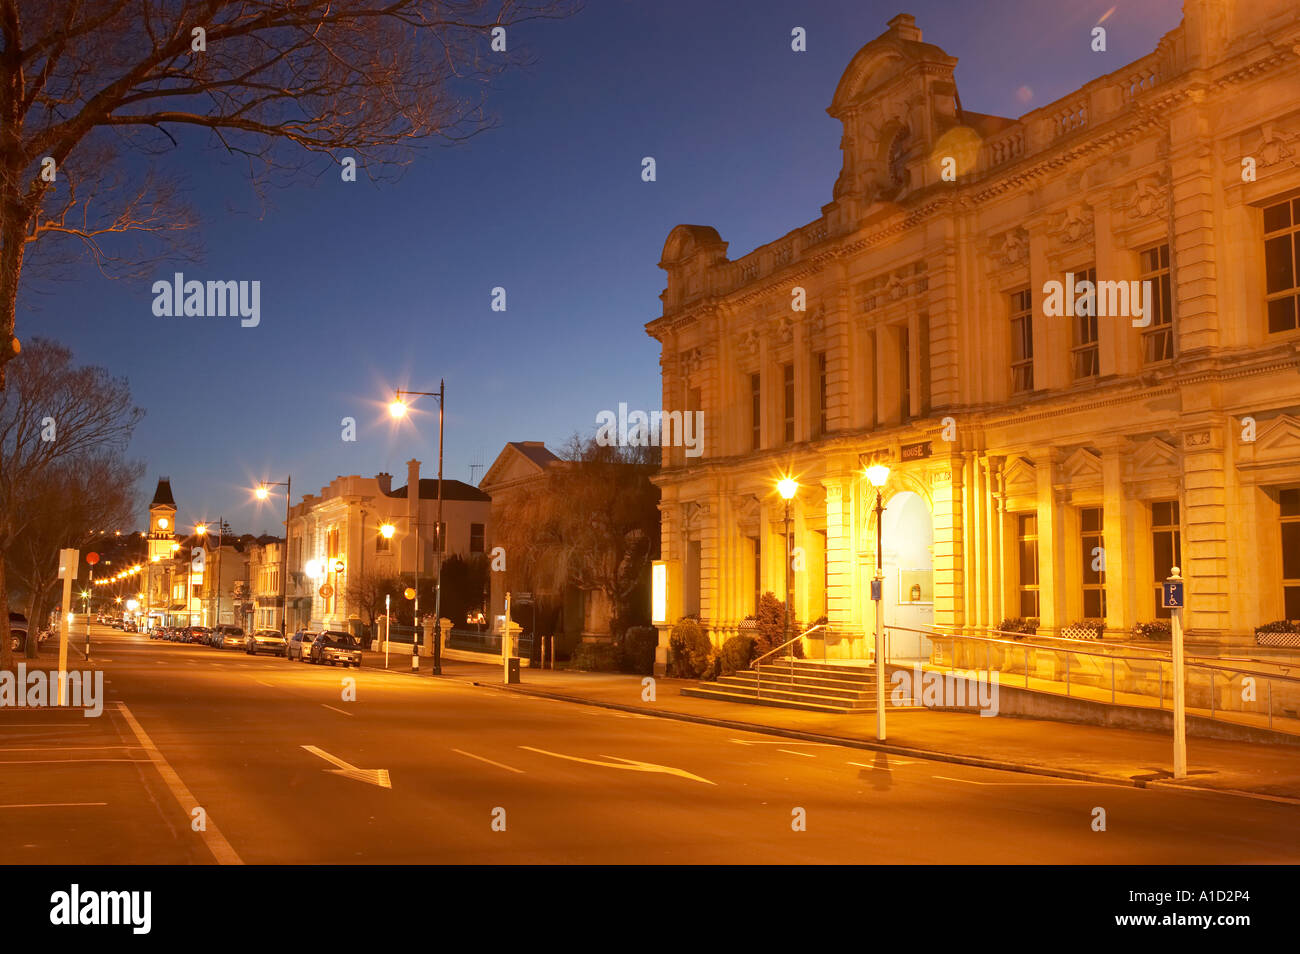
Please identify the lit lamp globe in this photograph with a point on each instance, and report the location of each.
(397, 408)
(261, 493)
(787, 487)
(387, 530)
(878, 474)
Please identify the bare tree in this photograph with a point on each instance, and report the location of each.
(366, 592)
(55, 415)
(64, 506)
(86, 83)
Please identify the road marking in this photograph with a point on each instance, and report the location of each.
(968, 781)
(791, 742)
(489, 761)
(631, 765)
(261, 683)
(14, 725)
(63, 748)
(55, 805)
(338, 710)
(61, 761)
(212, 837)
(807, 755)
(888, 764)
(372, 776)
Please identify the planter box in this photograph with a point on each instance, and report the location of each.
(1289, 640)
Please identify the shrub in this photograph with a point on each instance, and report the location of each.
(1279, 626)
(736, 654)
(770, 626)
(1156, 629)
(639, 645)
(712, 666)
(596, 657)
(688, 650)
(1019, 625)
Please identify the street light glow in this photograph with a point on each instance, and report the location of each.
(878, 474)
(397, 408)
(787, 487)
(201, 529)
(387, 530)
(261, 493)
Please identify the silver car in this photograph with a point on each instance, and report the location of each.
(228, 637)
(265, 641)
(299, 646)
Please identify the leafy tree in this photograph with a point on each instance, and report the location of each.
(771, 628)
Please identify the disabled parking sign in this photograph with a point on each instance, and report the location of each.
(1171, 594)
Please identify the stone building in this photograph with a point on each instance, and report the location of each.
(1052, 452)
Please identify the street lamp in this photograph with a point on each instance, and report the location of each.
(878, 475)
(202, 530)
(262, 492)
(787, 487)
(397, 408)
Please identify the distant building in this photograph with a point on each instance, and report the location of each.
(1043, 464)
(338, 535)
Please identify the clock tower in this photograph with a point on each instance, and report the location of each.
(162, 522)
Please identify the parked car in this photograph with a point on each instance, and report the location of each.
(228, 637)
(335, 648)
(299, 645)
(265, 641)
(17, 631)
(200, 634)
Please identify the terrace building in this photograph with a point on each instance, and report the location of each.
(1047, 467)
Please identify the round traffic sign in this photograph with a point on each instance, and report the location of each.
(326, 591)
(92, 558)
(410, 593)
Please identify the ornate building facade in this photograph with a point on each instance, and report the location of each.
(1043, 465)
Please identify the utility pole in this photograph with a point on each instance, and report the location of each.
(1171, 598)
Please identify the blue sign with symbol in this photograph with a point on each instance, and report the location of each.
(1171, 594)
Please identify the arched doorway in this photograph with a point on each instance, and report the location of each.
(908, 595)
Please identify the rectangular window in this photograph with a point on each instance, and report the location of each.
(1027, 543)
(1084, 356)
(1290, 500)
(476, 542)
(1158, 339)
(1282, 265)
(382, 543)
(1166, 545)
(819, 405)
(1094, 563)
(1022, 341)
(787, 379)
(756, 411)
(905, 373)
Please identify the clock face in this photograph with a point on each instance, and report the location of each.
(162, 523)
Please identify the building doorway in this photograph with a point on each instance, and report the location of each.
(908, 596)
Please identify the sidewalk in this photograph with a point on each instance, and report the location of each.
(1061, 749)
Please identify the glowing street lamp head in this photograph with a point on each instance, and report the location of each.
(261, 493)
(175, 547)
(878, 474)
(387, 530)
(201, 529)
(397, 408)
(787, 487)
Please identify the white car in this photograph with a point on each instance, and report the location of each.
(265, 641)
(299, 646)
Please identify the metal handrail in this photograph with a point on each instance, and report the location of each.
(757, 664)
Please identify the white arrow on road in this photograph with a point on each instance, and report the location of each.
(631, 765)
(372, 776)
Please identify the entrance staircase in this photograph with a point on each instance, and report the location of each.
(797, 684)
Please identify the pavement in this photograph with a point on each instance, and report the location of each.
(207, 756)
(1041, 747)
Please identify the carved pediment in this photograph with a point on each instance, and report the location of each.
(1154, 458)
(1074, 226)
(1148, 198)
(1011, 247)
(1279, 438)
(1082, 466)
(1021, 477)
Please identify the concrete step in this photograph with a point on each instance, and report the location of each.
(816, 670)
(827, 687)
(785, 701)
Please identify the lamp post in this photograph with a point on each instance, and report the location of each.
(787, 487)
(262, 492)
(878, 474)
(397, 408)
(202, 530)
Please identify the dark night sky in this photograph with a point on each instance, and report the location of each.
(370, 287)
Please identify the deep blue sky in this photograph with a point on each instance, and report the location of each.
(366, 288)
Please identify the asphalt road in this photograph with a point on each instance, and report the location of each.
(286, 770)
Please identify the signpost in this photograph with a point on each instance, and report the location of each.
(67, 573)
(1171, 598)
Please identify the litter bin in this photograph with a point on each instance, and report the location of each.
(512, 670)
